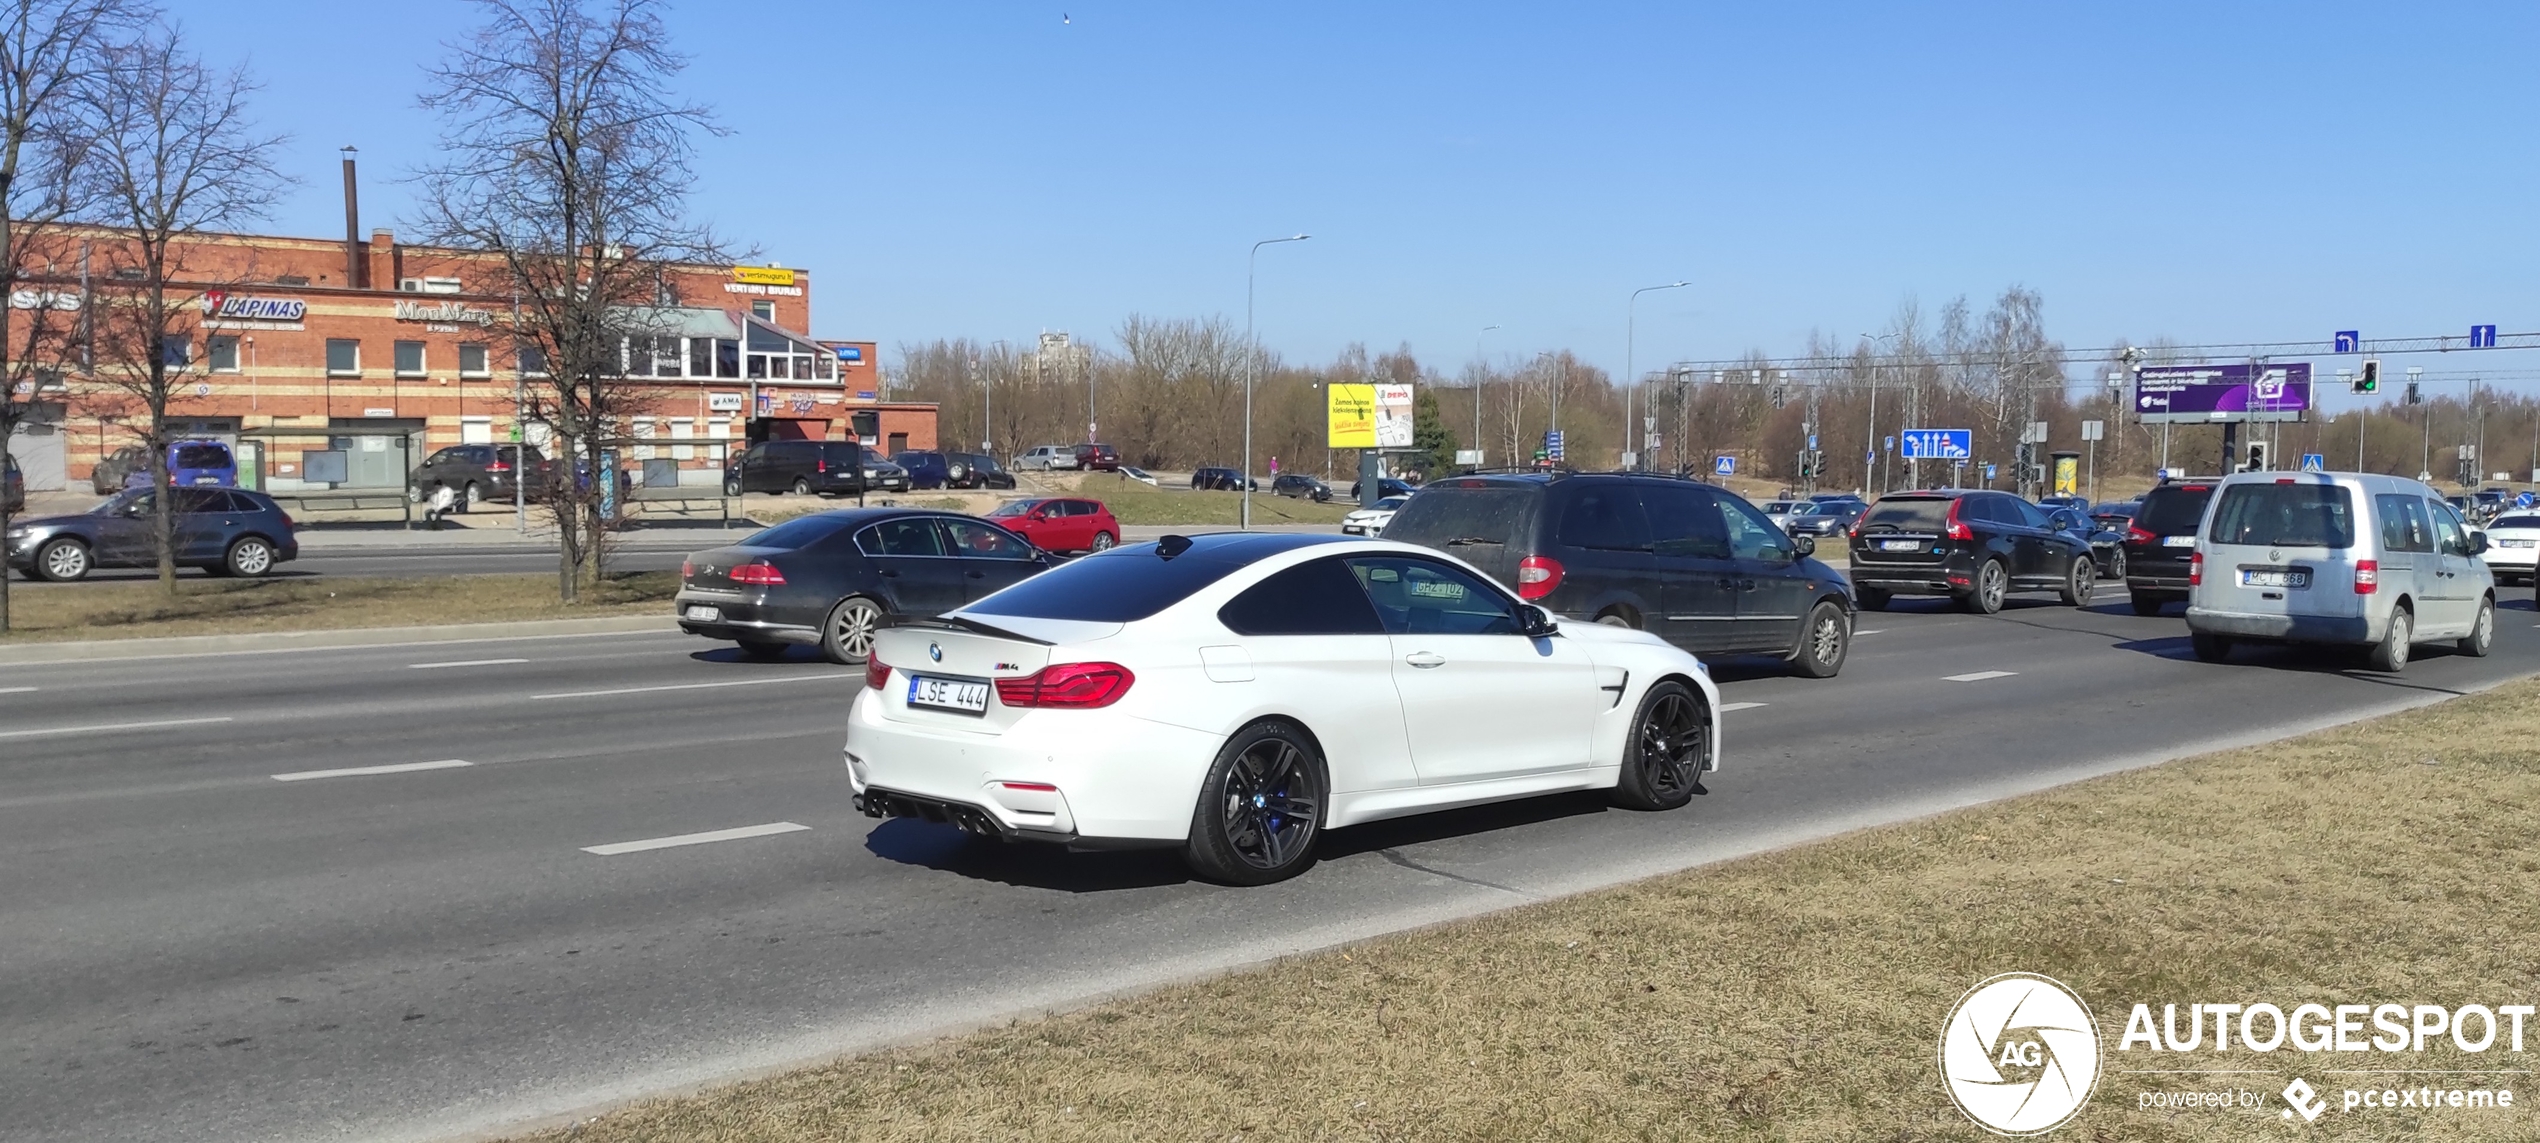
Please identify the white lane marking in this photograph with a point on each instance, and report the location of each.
(1730, 706)
(614, 848)
(696, 686)
(1977, 676)
(464, 663)
(103, 728)
(366, 771)
(15, 690)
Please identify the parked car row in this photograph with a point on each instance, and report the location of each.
(1089, 457)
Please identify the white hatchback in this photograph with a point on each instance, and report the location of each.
(2513, 546)
(1235, 695)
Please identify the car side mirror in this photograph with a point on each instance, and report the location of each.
(1803, 546)
(1534, 622)
(2477, 543)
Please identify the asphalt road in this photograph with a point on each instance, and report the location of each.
(195, 950)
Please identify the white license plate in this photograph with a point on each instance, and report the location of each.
(1900, 545)
(704, 614)
(948, 694)
(2178, 541)
(2295, 579)
(2516, 543)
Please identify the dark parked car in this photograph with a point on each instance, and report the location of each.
(12, 486)
(804, 468)
(1220, 479)
(2107, 546)
(1299, 485)
(125, 467)
(830, 580)
(1691, 563)
(1822, 518)
(977, 470)
(1098, 457)
(926, 468)
(1972, 545)
(881, 475)
(478, 472)
(2160, 545)
(225, 531)
(2075, 503)
(1385, 486)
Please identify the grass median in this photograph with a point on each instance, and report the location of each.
(204, 606)
(1799, 995)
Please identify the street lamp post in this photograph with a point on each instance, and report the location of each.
(2425, 461)
(1482, 367)
(1870, 442)
(1631, 332)
(1252, 349)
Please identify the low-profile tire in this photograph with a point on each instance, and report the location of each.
(1824, 641)
(762, 650)
(248, 558)
(63, 561)
(1104, 540)
(1260, 810)
(1872, 598)
(1993, 583)
(2482, 632)
(2079, 582)
(1662, 759)
(2145, 603)
(802, 486)
(2391, 654)
(2209, 648)
(846, 635)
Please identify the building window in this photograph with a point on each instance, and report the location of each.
(533, 361)
(701, 357)
(763, 309)
(758, 366)
(409, 359)
(224, 352)
(727, 357)
(636, 356)
(176, 352)
(667, 360)
(343, 357)
(472, 361)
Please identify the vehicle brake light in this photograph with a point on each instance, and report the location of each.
(288, 522)
(877, 674)
(2196, 569)
(1033, 787)
(759, 573)
(1537, 577)
(498, 466)
(2196, 488)
(2367, 576)
(2136, 535)
(1067, 686)
(687, 569)
(1956, 530)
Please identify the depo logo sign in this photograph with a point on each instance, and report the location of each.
(2020, 1054)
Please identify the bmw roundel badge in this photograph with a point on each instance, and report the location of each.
(935, 651)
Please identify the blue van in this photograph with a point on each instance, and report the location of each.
(207, 464)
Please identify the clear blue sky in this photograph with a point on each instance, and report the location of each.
(2204, 171)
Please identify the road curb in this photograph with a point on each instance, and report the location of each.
(267, 642)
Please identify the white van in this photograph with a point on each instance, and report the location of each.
(2356, 559)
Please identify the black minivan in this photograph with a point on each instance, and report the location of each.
(804, 468)
(1694, 564)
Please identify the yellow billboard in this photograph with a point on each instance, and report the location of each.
(1352, 412)
(2067, 475)
(763, 275)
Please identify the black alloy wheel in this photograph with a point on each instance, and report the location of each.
(2116, 565)
(1662, 764)
(2079, 582)
(1260, 811)
(1992, 584)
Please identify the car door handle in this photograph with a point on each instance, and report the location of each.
(1425, 659)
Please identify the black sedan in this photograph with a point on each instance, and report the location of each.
(225, 531)
(1299, 485)
(832, 579)
(1220, 479)
(1385, 486)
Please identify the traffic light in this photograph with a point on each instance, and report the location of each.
(2257, 457)
(2414, 397)
(1805, 469)
(1779, 397)
(2369, 381)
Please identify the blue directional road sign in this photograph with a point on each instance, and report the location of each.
(1891, 444)
(1812, 441)
(2314, 462)
(1988, 472)
(1937, 444)
(2350, 341)
(2482, 337)
(1724, 465)
(1552, 444)
(2523, 501)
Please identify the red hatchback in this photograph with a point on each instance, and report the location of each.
(1060, 524)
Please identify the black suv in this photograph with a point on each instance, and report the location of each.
(1221, 479)
(828, 468)
(479, 472)
(2160, 542)
(1972, 545)
(977, 470)
(1694, 564)
(926, 467)
(1298, 484)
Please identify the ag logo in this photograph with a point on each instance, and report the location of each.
(2020, 1054)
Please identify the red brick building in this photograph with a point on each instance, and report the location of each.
(385, 352)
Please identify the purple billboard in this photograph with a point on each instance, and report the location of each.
(2260, 392)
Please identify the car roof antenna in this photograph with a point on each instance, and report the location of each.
(1171, 546)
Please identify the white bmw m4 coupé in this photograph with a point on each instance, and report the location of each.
(1235, 695)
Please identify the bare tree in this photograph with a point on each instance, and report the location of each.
(567, 155)
(174, 155)
(49, 50)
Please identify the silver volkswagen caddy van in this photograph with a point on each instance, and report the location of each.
(2340, 558)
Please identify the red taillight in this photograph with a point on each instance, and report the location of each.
(687, 570)
(2196, 569)
(288, 522)
(1956, 530)
(498, 466)
(1537, 576)
(2367, 576)
(2196, 488)
(877, 674)
(822, 465)
(759, 574)
(1030, 787)
(2135, 535)
(1067, 686)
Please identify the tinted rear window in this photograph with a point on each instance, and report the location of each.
(1122, 585)
(1915, 514)
(2173, 511)
(800, 532)
(1495, 514)
(1320, 597)
(2285, 515)
(202, 456)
